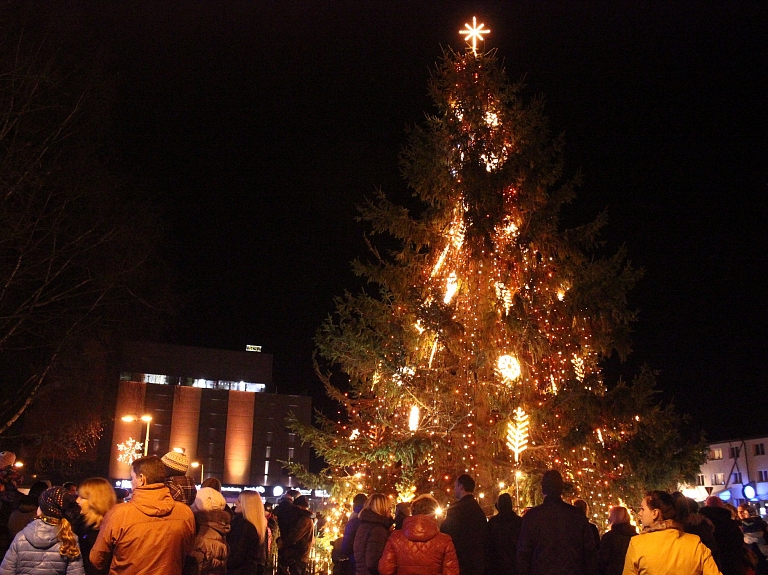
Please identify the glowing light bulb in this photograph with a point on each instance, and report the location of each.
(413, 420)
(452, 285)
(508, 367)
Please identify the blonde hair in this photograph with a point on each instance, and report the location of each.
(252, 507)
(618, 515)
(378, 503)
(69, 546)
(101, 498)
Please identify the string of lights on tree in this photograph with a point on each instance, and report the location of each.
(477, 346)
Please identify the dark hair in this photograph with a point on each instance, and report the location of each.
(358, 501)
(582, 505)
(504, 503)
(466, 482)
(301, 501)
(213, 483)
(151, 467)
(662, 501)
(681, 506)
(293, 493)
(552, 483)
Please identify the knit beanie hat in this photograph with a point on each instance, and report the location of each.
(175, 463)
(53, 501)
(7, 458)
(208, 499)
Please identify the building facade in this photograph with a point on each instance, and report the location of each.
(216, 405)
(730, 467)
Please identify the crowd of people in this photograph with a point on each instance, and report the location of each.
(171, 527)
(554, 538)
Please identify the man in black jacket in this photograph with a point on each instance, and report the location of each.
(465, 522)
(555, 538)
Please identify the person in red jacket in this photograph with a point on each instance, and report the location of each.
(419, 548)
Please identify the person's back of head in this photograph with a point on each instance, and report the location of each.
(467, 482)
(504, 503)
(662, 501)
(618, 515)
(151, 467)
(175, 462)
(378, 503)
(293, 494)
(552, 483)
(681, 505)
(213, 483)
(424, 505)
(358, 502)
(582, 506)
(714, 501)
(301, 501)
(208, 499)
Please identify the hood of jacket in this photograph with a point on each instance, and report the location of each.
(217, 519)
(153, 500)
(40, 534)
(369, 516)
(420, 528)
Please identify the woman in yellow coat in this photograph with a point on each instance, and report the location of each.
(663, 548)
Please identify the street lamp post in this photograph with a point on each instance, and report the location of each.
(198, 464)
(146, 419)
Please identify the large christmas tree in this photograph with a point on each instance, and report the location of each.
(477, 346)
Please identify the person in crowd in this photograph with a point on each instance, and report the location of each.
(402, 510)
(583, 506)
(755, 532)
(71, 487)
(151, 533)
(213, 483)
(503, 533)
(555, 538)
(466, 524)
(296, 543)
(182, 488)
(614, 544)
(248, 539)
(350, 530)
(663, 547)
(95, 497)
(47, 546)
(286, 512)
(273, 534)
(10, 496)
(694, 522)
(27, 510)
(210, 550)
(419, 548)
(730, 555)
(372, 535)
(121, 494)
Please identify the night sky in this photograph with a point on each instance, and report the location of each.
(263, 124)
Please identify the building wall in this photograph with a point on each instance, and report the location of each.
(731, 465)
(239, 437)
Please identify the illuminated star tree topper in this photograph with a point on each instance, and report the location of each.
(473, 33)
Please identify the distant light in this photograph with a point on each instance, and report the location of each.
(413, 419)
(179, 449)
(253, 348)
(726, 495)
(472, 33)
(18, 464)
(277, 491)
(146, 418)
(749, 491)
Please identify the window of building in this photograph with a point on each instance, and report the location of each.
(268, 436)
(716, 453)
(718, 479)
(759, 448)
(735, 452)
(290, 453)
(266, 468)
(736, 477)
(291, 437)
(268, 452)
(762, 475)
(700, 479)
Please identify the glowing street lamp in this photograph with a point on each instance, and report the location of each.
(19, 464)
(200, 465)
(146, 419)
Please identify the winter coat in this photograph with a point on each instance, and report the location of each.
(370, 540)
(348, 542)
(697, 524)
(151, 533)
(556, 539)
(21, 516)
(465, 522)
(613, 549)
(210, 551)
(730, 541)
(247, 554)
(665, 549)
(35, 551)
(296, 544)
(419, 549)
(503, 533)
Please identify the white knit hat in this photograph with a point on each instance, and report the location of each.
(208, 499)
(176, 461)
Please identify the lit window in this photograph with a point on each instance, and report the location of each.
(266, 468)
(718, 479)
(716, 453)
(290, 453)
(268, 453)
